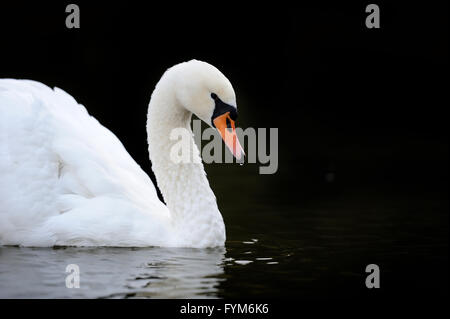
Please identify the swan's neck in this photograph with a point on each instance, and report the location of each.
(184, 186)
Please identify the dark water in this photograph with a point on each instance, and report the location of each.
(314, 249)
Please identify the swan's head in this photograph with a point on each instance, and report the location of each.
(203, 90)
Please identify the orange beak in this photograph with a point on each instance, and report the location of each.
(229, 135)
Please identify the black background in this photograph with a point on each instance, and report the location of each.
(367, 104)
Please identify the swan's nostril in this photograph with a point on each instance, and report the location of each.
(222, 108)
(228, 123)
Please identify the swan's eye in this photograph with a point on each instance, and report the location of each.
(214, 96)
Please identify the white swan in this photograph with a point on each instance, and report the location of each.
(67, 180)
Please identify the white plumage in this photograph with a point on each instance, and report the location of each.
(67, 180)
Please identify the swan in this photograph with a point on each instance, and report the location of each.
(66, 180)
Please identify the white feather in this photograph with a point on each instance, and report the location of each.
(67, 180)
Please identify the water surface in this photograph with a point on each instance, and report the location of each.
(316, 248)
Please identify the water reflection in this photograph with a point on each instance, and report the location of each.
(281, 253)
(111, 272)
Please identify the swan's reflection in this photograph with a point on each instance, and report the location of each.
(111, 272)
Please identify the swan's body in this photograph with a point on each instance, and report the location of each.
(67, 180)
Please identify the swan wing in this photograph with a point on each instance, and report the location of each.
(64, 177)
